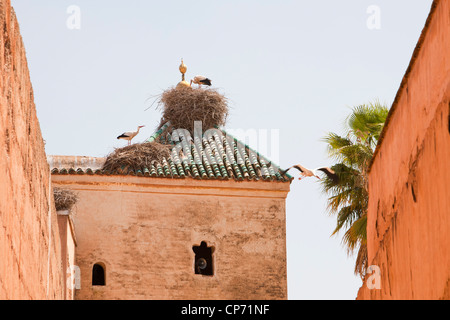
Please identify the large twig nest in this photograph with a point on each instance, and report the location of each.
(136, 156)
(183, 106)
(64, 199)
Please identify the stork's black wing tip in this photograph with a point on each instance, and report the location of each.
(206, 81)
(283, 172)
(330, 173)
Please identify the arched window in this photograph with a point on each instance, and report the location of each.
(98, 274)
(203, 263)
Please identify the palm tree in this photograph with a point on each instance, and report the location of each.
(348, 197)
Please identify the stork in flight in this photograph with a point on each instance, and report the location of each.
(129, 135)
(305, 172)
(201, 80)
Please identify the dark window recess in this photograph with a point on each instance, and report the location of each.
(98, 275)
(203, 262)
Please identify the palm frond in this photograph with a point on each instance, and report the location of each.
(345, 217)
(348, 196)
(361, 262)
(366, 122)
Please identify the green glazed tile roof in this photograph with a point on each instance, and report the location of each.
(217, 156)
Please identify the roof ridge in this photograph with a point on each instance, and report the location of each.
(217, 156)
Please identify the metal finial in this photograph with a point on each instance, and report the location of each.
(183, 69)
(183, 82)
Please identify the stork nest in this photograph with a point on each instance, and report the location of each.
(136, 156)
(183, 106)
(64, 199)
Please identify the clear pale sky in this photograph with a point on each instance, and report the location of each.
(296, 66)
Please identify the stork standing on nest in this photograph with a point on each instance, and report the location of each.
(201, 80)
(305, 172)
(129, 135)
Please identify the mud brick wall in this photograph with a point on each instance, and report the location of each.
(408, 230)
(142, 230)
(30, 252)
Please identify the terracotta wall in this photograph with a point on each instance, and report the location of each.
(409, 203)
(30, 252)
(68, 246)
(142, 229)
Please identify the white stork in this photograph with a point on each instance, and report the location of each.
(305, 172)
(201, 80)
(129, 135)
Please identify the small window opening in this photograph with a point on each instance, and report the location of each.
(98, 275)
(203, 262)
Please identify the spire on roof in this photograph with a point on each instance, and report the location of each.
(183, 83)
